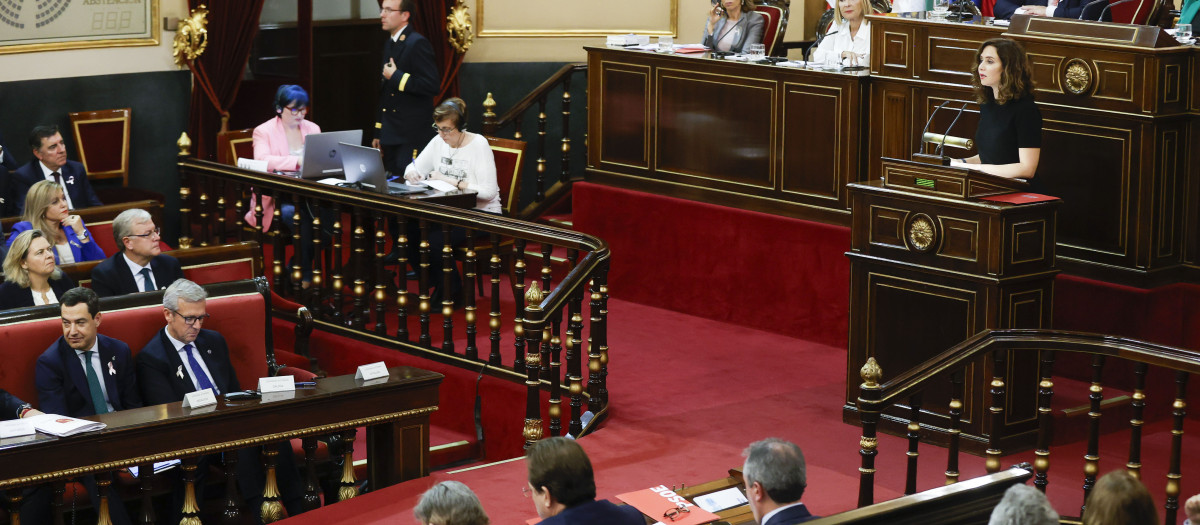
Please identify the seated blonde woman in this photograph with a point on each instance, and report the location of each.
(46, 210)
(848, 42)
(31, 278)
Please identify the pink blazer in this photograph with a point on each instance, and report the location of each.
(271, 145)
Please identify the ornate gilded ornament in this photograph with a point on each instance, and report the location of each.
(922, 233)
(533, 431)
(871, 373)
(458, 25)
(192, 37)
(1077, 77)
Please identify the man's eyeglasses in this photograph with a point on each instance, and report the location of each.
(388, 11)
(191, 320)
(676, 513)
(151, 233)
(442, 130)
(297, 111)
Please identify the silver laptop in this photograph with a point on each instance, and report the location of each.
(365, 166)
(321, 156)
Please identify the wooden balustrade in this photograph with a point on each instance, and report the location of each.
(952, 364)
(352, 292)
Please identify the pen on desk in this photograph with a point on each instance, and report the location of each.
(306, 384)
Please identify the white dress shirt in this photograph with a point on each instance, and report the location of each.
(137, 273)
(95, 364)
(50, 297)
(188, 368)
(49, 175)
(835, 42)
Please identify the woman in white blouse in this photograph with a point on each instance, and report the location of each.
(848, 42)
(464, 159)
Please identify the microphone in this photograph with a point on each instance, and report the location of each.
(1109, 6)
(1086, 6)
(931, 115)
(808, 53)
(942, 145)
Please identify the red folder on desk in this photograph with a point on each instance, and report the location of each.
(657, 501)
(1023, 197)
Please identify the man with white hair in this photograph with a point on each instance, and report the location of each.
(139, 264)
(1023, 505)
(775, 478)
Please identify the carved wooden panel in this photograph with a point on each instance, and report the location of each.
(891, 118)
(952, 57)
(887, 227)
(895, 56)
(817, 166)
(624, 115)
(960, 239)
(1114, 80)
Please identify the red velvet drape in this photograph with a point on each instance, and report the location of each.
(217, 74)
(430, 20)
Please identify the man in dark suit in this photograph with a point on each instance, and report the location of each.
(185, 358)
(50, 163)
(68, 386)
(140, 265)
(775, 478)
(563, 487)
(1056, 8)
(408, 83)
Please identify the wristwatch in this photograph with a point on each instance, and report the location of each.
(23, 409)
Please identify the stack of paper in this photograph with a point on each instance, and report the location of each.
(628, 40)
(63, 426)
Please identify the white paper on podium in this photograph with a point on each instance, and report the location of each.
(372, 371)
(276, 384)
(199, 398)
(251, 164)
(440, 185)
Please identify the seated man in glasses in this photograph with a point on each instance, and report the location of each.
(775, 479)
(183, 358)
(139, 264)
(564, 490)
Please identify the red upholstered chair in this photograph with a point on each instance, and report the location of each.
(776, 14)
(103, 141)
(509, 155)
(1139, 12)
(234, 144)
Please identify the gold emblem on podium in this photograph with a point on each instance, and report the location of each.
(1077, 77)
(922, 233)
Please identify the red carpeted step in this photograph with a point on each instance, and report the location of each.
(562, 220)
(1071, 404)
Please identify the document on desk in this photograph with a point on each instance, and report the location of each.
(721, 499)
(440, 185)
(63, 426)
(331, 181)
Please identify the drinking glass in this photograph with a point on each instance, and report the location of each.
(941, 8)
(666, 44)
(756, 52)
(1183, 32)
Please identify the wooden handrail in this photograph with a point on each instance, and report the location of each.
(525, 103)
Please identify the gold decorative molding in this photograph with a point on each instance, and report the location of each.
(192, 37)
(1077, 77)
(458, 25)
(921, 233)
(150, 39)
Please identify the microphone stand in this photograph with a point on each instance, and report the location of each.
(1110, 6)
(942, 145)
(1083, 11)
(808, 52)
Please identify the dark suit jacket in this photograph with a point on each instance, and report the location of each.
(597, 512)
(790, 515)
(9, 405)
(112, 276)
(62, 383)
(163, 378)
(8, 161)
(1066, 8)
(74, 180)
(406, 100)
(13, 296)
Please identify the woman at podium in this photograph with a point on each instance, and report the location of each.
(732, 26)
(1009, 136)
(848, 41)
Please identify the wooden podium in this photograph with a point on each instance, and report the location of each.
(931, 264)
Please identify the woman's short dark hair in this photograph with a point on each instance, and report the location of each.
(1015, 80)
(289, 93)
(452, 108)
(563, 468)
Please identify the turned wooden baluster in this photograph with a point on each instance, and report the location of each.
(348, 487)
(312, 487)
(221, 212)
(547, 263)
(565, 174)
(518, 286)
(1041, 463)
(231, 513)
(271, 509)
(470, 278)
(313, 298)
(277, 236)
(956, 408)
(992, 464)
(555, 372)
(381, 280)
(185, 213)
(60, 488)
(423, 283)
(260, 233)
(1134, 465)
(401, 248)
(914, 440)
(449, 267)
(336, 281)
(203, 205)
(494, 313)
(146, 488)
(297, 249)
(540, 193)
(547, 278)
(533, 330)
(574, 363)
(599, 332)
(15, 498)
(191, 507)
(103, 484)
(1092, 458)
(593, 383)
(1174, 474)
(868, 391)
(242, 205)
(358, 245)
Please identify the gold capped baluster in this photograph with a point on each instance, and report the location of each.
(533, 331)
(593, 349)
(205, 224)
(402, 302)
(314, 297)
(518, 285)
(448, 298)
(540, 193)
(381, 280)
(489, 115)
(565, 174)
(914, 440)
(297, 249)
(423, 286)
(992, 464)
(1134, 465)
(1091, 458)
(349, 487)
(494, 313)
(358, 246)
(221, 212)
(191, 510)
(103, 482)
(470, 278)
(1179, 411)
(956, 410)
(272, 508)
(1041, 463)
(868, 391)
(336, 282)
